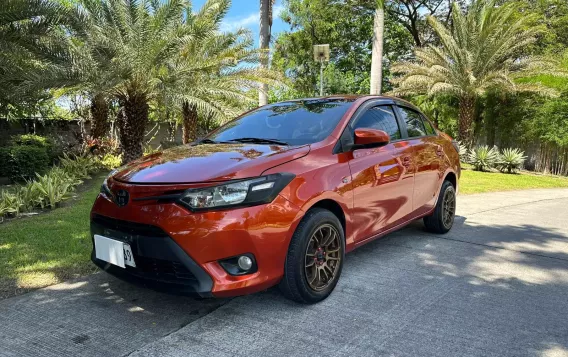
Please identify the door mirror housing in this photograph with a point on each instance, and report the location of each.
(370, 138)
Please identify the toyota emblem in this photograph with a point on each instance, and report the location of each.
(122, 197)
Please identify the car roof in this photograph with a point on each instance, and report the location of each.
(354, 97)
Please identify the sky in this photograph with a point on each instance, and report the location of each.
(245, 13)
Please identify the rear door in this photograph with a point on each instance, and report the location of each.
(426, 158)
(382, 177)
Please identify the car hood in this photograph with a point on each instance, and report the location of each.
(208, 162)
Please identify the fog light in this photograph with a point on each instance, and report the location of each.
(242, 264)
(245, 263)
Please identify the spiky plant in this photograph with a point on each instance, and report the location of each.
(462, 151)
(483, 157)
(484, 48)
(511, 160)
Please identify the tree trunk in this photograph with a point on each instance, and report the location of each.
(264, 40)
(189, 125)
(377, 56)
(465, 122)
(132, 119)
(99, 112)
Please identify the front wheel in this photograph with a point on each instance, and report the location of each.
(442, 220)
(315, 258)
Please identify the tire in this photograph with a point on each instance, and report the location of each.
(439, 221)
(313, 228)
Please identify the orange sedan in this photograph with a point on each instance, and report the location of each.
(276, 196)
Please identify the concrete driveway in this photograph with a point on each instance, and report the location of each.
(496, 285)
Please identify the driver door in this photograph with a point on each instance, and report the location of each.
(382, 178)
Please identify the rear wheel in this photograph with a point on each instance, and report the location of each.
(442, 220)
(315, 258)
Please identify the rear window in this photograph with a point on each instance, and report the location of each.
(295, 122)
(429, 128)
(414, 124)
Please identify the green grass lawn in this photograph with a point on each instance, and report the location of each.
(49, 248)
(55, 246)
(478, 182)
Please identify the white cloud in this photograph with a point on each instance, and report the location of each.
(232, 24)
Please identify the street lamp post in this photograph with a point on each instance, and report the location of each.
(321, 55)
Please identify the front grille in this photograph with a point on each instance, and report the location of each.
(129, 227)
(152, 249)
(160, 269)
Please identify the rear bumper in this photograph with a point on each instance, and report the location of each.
(161, 264)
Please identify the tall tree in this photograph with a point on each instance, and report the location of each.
(377, 56)
(484, 49)
(412, 15)
(132, 42)
(350, 38)
(266, 7)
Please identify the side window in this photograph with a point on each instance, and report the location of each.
(380, 118)
(414, 124)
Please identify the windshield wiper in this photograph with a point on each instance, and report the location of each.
(259, 141)
(209, 141)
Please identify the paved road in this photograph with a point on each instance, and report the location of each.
(497, 285)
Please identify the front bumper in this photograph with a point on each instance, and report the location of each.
(197, 242)
(161, 264)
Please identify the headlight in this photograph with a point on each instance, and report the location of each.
(104, 187)
(236, 193)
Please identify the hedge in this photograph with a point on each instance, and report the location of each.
(25, 161)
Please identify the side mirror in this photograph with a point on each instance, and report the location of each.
(369, 138)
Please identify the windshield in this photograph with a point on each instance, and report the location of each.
(295, 123)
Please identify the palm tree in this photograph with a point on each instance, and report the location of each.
(216, 78)
(215, 74)
(377, 56)
(34, 48)
(484, 49)
(131, 43)
(266, 7)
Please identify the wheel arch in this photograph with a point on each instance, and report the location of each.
(452, 178)
(335, 208)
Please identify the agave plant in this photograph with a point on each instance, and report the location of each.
(10, 203)
(54, 187)
(483, 158)
(462, 151)
(511, 160)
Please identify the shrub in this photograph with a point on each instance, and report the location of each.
(483, 158)
(31, 140)
(10, 204)
(54, 187)
(25, 161)
(511, 160)
(37, 141)
(110, 161)
(30, 197)
(80, 166)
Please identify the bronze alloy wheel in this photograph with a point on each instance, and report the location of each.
(323, 257)
(448, 208)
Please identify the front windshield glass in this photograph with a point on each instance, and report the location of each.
(295, 123)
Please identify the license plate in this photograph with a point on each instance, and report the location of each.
(113, 251)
